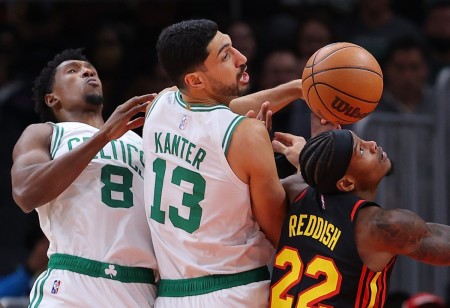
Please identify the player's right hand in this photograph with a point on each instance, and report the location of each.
(121, 120)
(319, 125)
(289, 145)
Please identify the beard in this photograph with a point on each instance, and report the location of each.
(94, 99)
(230, 91)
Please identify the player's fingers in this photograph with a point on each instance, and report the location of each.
(286, 137)
(138, 100)
(269, 120)
(251, 114)
(278, 147)
(263, 111)
(135, 123)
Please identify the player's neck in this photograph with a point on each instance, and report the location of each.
(195, 99)
(91, 118)
(368, 195)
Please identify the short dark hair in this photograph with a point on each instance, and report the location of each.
(43, 84)
(183, 46)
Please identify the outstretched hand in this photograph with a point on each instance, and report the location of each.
(319, 125)
(121, 120)
(289, 145)
(264, 115)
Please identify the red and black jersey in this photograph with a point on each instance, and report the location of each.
(317, 263)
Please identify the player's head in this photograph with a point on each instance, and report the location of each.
(198, 57)
(339, 161)
(67, 80)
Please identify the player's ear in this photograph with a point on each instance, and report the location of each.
(51, 99)
(194, 80)
(346, 184)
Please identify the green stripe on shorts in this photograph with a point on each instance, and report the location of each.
(100, 269)
(208, 284)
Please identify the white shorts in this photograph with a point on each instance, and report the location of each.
(255, 294)
(62, 288)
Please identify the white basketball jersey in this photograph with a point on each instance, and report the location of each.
(198, 210)
(101, 215)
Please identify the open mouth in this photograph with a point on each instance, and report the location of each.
(244, 78)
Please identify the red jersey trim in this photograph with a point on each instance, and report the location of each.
(301, 195)
(355, 208)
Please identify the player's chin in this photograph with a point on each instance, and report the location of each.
(391, 168)
(243, 89)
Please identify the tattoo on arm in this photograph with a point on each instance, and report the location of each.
(403, 232)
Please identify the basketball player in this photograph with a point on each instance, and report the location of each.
(337, 246)
(84, 177)
(213, 199)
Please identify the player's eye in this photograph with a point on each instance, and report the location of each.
(71, 70)
(227, 55)
(361, 151)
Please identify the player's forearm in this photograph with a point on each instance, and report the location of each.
(38, 184)
(279, 97)
(434, 248)
(271, 219)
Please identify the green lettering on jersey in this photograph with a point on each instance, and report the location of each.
(190, 200)
(158, 142)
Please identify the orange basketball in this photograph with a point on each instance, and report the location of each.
(342, 83)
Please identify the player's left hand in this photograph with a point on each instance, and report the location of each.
(264, 115)
(319, 125)
(289, 145)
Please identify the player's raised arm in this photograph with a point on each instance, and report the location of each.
(278, 97)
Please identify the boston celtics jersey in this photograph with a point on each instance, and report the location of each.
(317, 263)
(198, 210)
(101, 215)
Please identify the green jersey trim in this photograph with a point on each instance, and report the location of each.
(229, 133)
(58, 137)
(99, 269)
(197, 107)
(152, 106)
(208, 284)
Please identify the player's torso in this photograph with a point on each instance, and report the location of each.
(317, 261)
(101, 215)
(198, 210)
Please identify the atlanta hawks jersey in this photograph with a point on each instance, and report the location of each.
(101, 215)
(317, 263)
(198, 210)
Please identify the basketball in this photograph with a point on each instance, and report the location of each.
(342, 83)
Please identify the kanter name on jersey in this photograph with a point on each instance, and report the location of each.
(180, 147)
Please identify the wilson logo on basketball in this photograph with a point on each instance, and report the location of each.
(343, 107)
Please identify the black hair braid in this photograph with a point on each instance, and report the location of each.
(315, 158)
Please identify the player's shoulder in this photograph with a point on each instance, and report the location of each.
(37, 129)
(251, 128)
(253, 134)
(166, 95)
(35, 134)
